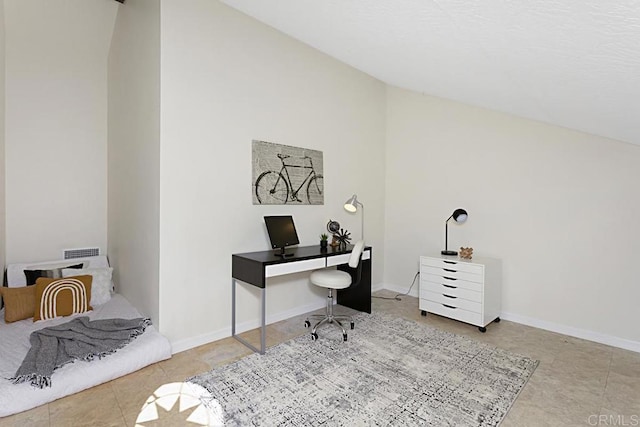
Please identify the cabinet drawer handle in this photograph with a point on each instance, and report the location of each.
(450, 262)
(449, 296)
(449, 286)
(450, 271)
(449, 278)
(449, 306)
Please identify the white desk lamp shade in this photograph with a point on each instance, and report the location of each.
(351, 205)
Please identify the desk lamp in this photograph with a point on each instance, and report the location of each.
(459, 216)
(351, 205)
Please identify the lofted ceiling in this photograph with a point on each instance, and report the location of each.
(572, 63)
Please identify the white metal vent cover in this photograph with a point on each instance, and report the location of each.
(80, 253)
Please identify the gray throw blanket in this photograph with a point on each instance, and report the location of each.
(80, 338)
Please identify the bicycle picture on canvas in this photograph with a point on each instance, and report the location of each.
(283, 174)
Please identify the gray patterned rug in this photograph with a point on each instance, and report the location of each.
(391, 372)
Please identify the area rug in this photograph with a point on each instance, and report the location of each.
(391, 372)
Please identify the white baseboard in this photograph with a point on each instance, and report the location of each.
(573, 332)
(378, 287)
(543, 324)
(415, 291)
(189, 343)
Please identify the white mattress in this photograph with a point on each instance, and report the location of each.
(148, 348)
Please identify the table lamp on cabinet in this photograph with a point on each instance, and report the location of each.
(459, 216)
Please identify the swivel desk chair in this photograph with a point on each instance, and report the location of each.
(336, 279)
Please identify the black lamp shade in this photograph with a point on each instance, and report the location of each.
(459, 215)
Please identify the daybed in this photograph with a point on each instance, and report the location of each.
(148, 348)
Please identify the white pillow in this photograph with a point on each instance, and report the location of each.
(54, 266)
(101, 285)
(15, 271)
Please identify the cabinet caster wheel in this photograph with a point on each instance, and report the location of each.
(482, 329)
(307, 323)
(423, 313)
(314, 336)
(497, 320)
(344, 337)
(353, 325)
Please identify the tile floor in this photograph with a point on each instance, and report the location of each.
(578, 383)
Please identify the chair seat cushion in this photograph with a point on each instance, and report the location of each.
(334, 279)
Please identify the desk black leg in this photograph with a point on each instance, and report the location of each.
(263, 318)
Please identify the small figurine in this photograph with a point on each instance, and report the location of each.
(466, 253)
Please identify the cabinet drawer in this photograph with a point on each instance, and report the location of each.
(452, 264)
(293, 267)
(451, 283)
(452, 274)
(451, 301)
(450, 290)
(452, 313)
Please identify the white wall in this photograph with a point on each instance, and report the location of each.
(134, 153)
(2, 129)
(56, 125)
(556, 205)
(227, 79)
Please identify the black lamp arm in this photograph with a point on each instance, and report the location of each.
(446, 235)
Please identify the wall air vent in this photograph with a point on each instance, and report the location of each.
(80, 253)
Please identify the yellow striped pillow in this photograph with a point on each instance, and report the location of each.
(62, 297)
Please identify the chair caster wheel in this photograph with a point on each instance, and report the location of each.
(353, 325)
(423, 313)
(307, 323)
(344, 337)
(482, 329)
(314, 336)
(497, 320)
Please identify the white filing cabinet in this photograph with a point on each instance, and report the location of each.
(465, 290)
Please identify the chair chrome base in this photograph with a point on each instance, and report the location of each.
(328, 317)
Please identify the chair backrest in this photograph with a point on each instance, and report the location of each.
(356, 253)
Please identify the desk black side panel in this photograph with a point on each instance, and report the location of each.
(358, 297)
(247, 270)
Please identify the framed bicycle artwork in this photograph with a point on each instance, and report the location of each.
(283, 174)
